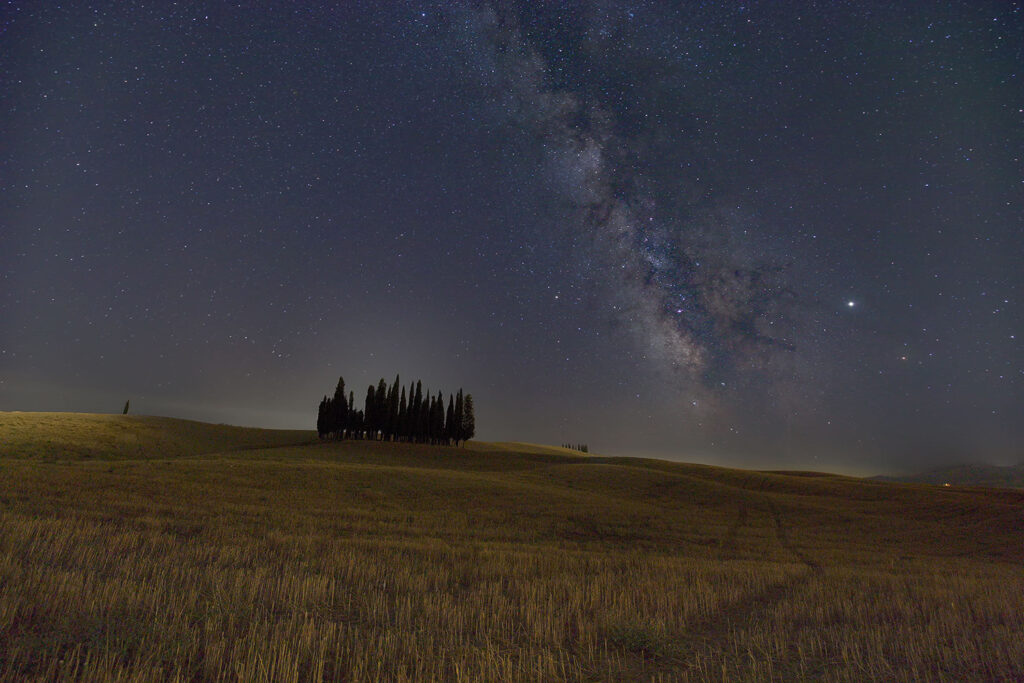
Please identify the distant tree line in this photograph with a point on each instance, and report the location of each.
(581, 447)
(390, 413)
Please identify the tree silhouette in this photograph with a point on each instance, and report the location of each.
(353, 419)
(381, 408)
(468, 419)
(416, 416)
(455, 429)
(437, 420)
(403, 417)
(449, 420)
(370, 413)
(321, 418)
(339, 409)
(393, 406)
(390, 413)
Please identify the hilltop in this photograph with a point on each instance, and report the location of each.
(100, 435)
(210, 553)
(92, 435)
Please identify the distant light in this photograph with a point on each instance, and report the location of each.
(850, 304)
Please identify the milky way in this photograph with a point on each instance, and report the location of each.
(637, 225)
(681, 284)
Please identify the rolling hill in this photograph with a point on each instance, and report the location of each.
(89, 435)
(207, 553)
(1009, 476)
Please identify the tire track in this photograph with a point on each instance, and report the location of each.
(711, 633)
(728, 541)
(782, 534)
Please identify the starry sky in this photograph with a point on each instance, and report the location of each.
(764, 234)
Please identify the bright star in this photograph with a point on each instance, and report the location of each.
(850, 304)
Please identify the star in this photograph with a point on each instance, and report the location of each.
(304, 217)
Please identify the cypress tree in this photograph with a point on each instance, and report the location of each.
(416, 414)
(339, 410)
(381, 408)
(456, 428)
(393, 409)
(431, 409)
(409, 413)
(428, 411)
(369, 413)
(449, 420)
(403, 416)
(421, 422)
(468, 419)
(321, 421)
(385, 413)
(330, 419)
(350, 418)
(438, 418)
(431, 417)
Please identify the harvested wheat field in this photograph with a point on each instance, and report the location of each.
(149, 549)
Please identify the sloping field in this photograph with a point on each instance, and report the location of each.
(87, 435)
(370, 561)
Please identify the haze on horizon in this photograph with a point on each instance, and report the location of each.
(743, 235)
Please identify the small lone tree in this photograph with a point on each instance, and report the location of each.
(125, 411)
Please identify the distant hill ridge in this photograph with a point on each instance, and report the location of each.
(1000, 476)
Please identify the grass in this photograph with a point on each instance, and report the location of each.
(369, 561)
(75, 435)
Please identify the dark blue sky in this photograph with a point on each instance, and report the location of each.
(768, 234)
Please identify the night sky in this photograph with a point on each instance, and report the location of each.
(768, 234)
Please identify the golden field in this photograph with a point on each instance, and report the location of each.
(150, 549)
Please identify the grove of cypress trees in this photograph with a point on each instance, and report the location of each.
(390, 413)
